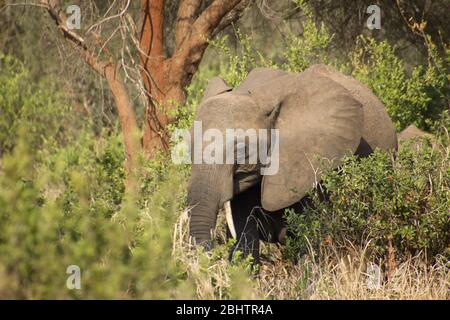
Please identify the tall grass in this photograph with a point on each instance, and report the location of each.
(345, 276)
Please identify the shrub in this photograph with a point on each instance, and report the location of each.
(419, 98)
(39, 107)
(235, 66)
(71, 209)
(63, 203)
(300, 52)
(401, 203)
(311, 47)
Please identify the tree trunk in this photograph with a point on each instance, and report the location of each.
(153, 74)
(165, 79)
(127, 117)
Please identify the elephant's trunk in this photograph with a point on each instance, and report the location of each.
(210, 186)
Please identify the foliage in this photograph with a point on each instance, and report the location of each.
(347, 19)
(64, 203)
(419, 99)
(400, 202)
(237, 64)
(35, 106)
(300, 52)
(72, 210)
(311, 47)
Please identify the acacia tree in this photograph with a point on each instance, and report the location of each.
(163, 78)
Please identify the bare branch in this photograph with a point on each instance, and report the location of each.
(56, 13)
(110, 71)
(54, 9)
(119, 15)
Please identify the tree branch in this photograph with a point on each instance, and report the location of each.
(110, 72)
(187, 10)
(212, 16)
(233, 16)
(188, 55)
(55, 11)
(151, 42)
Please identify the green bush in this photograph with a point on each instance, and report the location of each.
(300, 51)
(71, 213)
(63, 203)
(234, 66)
(37, 106)
(419, 98)
(312, 47)
(404, 201)
(68, 207)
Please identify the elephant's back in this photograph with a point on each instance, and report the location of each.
(378, 129)
(259, 77)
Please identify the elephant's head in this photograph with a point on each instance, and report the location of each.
(314, 115)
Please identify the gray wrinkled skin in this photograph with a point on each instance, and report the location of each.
(319, 112)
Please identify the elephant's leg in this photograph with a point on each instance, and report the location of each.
(251, 223)
(271, 226)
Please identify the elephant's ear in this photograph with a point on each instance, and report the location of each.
(320, 122)
(215, 87)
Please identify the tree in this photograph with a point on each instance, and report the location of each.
(400, 20)
(164, 78)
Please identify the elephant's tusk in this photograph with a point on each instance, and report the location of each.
(229, 217)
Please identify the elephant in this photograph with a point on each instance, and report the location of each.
(319, 114)
(412, 132)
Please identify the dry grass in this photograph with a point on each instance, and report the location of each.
(211, 275)
(338, 276)
(333, 276)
